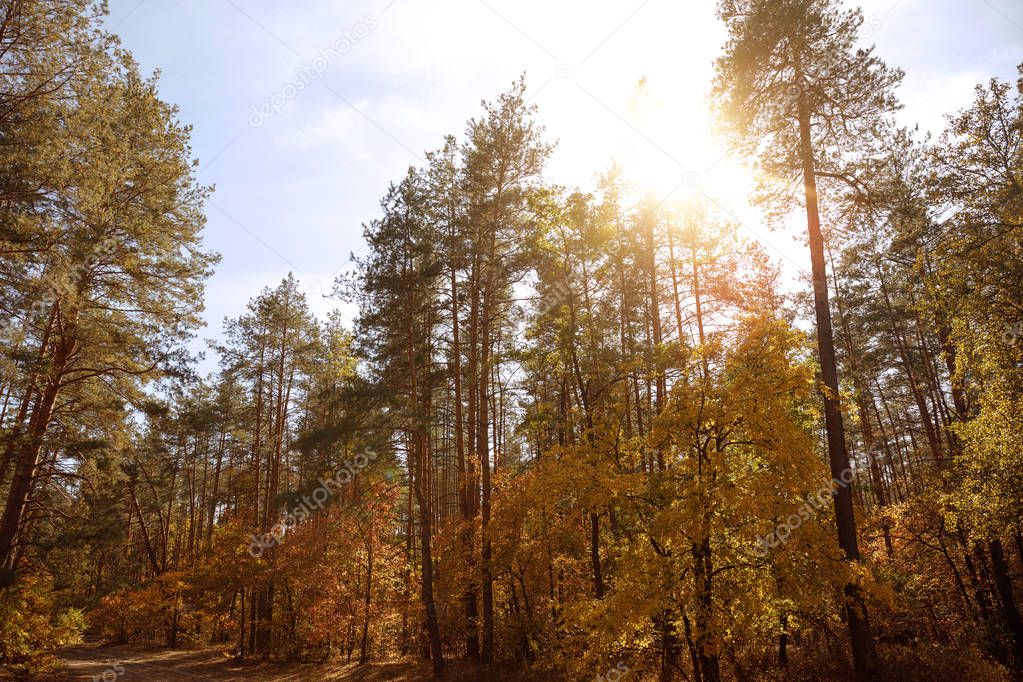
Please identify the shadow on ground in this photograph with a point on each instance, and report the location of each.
(125, 663)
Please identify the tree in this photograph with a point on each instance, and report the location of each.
(120, 280)
(573, 429)
(502, 158)
(980, 190)
(272, 348)
(796, 92)
(399, 292)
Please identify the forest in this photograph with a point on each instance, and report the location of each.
(568, 433)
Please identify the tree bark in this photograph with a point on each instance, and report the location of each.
(27, 459)
(483, 449)
(1003, 583)
(364, 645)
(864, 654)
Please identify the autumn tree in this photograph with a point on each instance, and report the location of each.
(976, 281)
(797, 93)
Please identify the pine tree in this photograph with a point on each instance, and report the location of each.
(119, 283)
(796, 92)
(502, 158)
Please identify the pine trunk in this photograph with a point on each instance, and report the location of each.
(864, 654)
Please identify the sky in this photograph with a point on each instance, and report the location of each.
(304, 111)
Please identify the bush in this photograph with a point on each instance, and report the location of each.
(31, 628)
(926, 662)
(148, 614)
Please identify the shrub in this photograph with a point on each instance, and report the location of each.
(31, 628)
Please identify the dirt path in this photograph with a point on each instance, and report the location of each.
(125, 663)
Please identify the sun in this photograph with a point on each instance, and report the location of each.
(662, 139)
(677, 147)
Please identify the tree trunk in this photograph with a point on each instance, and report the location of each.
(418, 463)
(864, 654)
(598, 578)
(425, 538)
(483, 449)
(1003, 583)
(28, 459)
(364, 645)
(706, 640)
(472, 646)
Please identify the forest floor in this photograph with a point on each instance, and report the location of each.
(91, 661)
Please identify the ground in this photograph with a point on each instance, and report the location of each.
(127, 663)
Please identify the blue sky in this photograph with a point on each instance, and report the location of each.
(374, 83)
